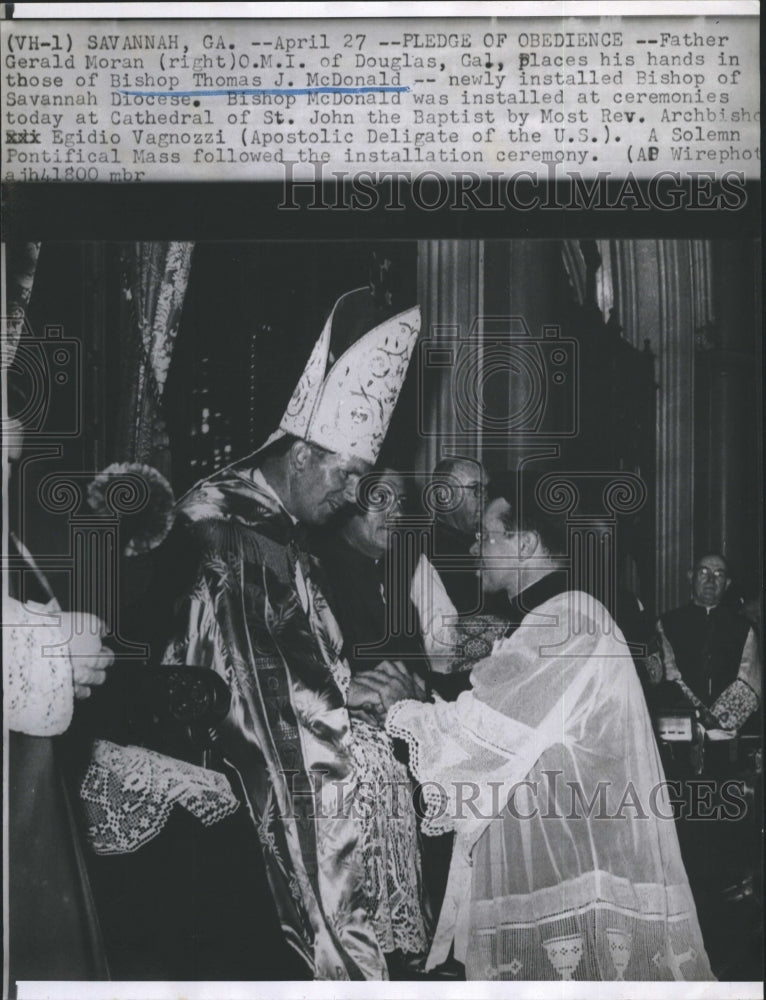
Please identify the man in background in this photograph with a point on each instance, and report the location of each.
(711, 652)
(458, 490)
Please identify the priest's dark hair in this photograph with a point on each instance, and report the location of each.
(531, 508)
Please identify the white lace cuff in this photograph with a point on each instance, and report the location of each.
(129, 793)
(467, 756)
(38, 687)
(410, 721)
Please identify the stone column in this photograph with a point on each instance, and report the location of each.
(653, 291)
(451, 294)
(728, 474)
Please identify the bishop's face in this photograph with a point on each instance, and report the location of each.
(323, 484)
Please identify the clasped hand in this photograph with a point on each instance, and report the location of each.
(89, 656)
(372, 692)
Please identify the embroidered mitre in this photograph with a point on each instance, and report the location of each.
(345, 405)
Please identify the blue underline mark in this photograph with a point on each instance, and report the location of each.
(298, 91)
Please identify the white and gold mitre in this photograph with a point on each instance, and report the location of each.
(345, 406)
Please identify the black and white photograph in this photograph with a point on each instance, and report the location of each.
(382, 569)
